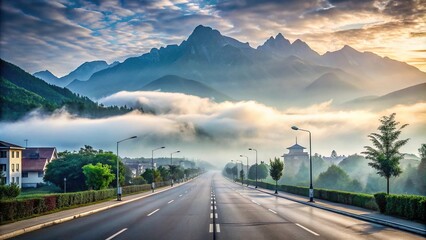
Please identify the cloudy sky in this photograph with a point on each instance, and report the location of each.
(60, 35)
(217, 132)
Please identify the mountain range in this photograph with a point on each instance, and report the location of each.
(278, 72)
(82, 73)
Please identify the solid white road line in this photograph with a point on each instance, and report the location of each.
(255, 202)
(170, 201)
(218, 228)
(180, 195)
(115, 235)
(211, 228)
(309, 230)
(272, 211)
(153, 212)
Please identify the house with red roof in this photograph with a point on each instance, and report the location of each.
(34, 162)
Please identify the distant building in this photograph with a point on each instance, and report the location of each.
(334, 158)
(294, 159)
(34, 162)
(11, 163)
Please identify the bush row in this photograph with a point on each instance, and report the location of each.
(406, 206)
(22, 208)
(349, 198)
(412, 207)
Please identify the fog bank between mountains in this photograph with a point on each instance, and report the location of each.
(206, 130)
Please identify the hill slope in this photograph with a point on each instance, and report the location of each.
(22, 93)
(171, 83)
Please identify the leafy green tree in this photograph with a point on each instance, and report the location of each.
(235, 171)
(69, 166)
(164, 173)
(302, 176)
(262, 171)
(147, 175)
(333, 178)
(384, 154)
(98, 176)
(276, 171)
(138, 180)
(176, 172)
(9, 191)
(354, 186)
(421, 171)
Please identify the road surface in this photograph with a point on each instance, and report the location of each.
(211, 207)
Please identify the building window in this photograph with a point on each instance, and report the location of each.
(17, 167)
(17, 154)
(3, 154)
(13, 179)
(13, 154)
(17, 180)
(13, 167)
(40, 174)
(3, 167)
(24, 174)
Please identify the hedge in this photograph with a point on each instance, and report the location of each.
(407, 206)
(412, 207)
(21, 208)
(349, 198)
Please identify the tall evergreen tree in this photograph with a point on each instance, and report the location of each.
(384, 154)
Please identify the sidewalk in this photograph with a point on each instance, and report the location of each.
(32, 224)
(352, 211)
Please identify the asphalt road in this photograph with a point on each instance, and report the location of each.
(211, 207)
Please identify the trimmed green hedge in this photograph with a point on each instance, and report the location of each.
(350, 198)
(22, 208)
(406, 206)
(412, 207)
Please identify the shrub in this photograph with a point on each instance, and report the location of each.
(381, 201)
(9, 191)
(407, 206)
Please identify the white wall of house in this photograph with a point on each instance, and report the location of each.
(32, 179)
(13, 162)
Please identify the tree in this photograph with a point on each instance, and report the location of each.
(147, 175)
(276, 171)
(98, 176)
(384, 154)
(138, 180)
(176, 172)
(70, 166)
(421, 171)
(262, 171)
(164, 173)
(235, 171)
(242, 176)
(333, 178)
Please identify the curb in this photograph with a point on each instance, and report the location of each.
(65, 219)
(360, 217)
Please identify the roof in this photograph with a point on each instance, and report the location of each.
(296, 146)
(36, 158)
(6, 145)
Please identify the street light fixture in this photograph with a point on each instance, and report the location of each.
(152, 164)
(252, 149)
(247, 168)
(118, 176)
(171, 157)
(311, 188)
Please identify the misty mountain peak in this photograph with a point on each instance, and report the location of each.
(348, 49)
(279, 42)
(202, 33)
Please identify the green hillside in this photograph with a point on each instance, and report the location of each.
(21, 93)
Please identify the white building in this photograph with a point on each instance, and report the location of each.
(11, 163)
(34, 162)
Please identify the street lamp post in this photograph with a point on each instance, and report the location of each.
(65, 185)
(152, 165)
(171, 157)
(311, 188)
(118, 175)
(252, 149)
(247, 168)
(242, 169)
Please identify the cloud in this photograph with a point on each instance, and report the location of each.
(217, 132)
